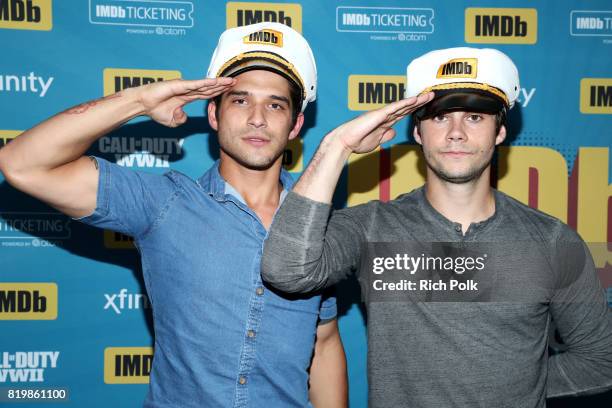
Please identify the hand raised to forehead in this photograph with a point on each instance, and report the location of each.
(164, 101)
(371, 129)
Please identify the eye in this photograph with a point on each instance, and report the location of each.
(439, 117)
(474, 117)
(239, 101)
(276, 106)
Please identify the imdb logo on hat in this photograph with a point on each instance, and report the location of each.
(266, 37)
(501, 25)
(367, 92)
(239, 14)
(26, 14)
(127, 365)
(118, 79)
(596, 95)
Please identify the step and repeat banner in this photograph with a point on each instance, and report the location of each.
(74, 315)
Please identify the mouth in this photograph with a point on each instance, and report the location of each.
(456, 154)
(256, 141)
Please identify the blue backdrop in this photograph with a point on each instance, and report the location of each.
(78, 295)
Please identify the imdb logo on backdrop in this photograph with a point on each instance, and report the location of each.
(118, 79)
(8, 135)
(117, 240)
(26, 14)
(28, 301)
(596, 95)
(367, 92)
(239, 14)
(127, 365)
(501, 25)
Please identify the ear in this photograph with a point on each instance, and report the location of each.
(501, 136)
(212, 115)
(417, 135)
(299, 122)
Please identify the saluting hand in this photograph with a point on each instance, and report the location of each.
(371, 129)
(163, 101)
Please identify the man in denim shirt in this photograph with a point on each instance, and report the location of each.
(221, 337)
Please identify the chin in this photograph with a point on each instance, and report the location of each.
(459, 177)
(259, 163)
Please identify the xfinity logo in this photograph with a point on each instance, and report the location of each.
(30, 83)
(124, 300)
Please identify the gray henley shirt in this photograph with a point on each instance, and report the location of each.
(451, 354)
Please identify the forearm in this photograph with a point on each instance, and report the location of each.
(320, 178)
(293, 250)
(572, 373)
(584, 322)
(328, 380)
(66, 136)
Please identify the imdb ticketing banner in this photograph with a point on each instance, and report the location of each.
(61, 281)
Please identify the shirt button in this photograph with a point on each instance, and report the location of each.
(259, 291)
(242, 380)
(251, 333)
(458, 228)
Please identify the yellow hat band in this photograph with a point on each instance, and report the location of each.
(279, 63)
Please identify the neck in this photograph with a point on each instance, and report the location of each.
(257, 187)
(463, 203)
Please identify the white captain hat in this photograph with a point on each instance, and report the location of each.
(482, 79)
(270, 46)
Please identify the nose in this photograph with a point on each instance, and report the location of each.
(257, 117)
(456, 133)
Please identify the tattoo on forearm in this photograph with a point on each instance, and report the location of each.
(85, 106)
(312, 168)
(95, 162)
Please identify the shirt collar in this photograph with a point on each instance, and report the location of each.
(216, 186)
(428, 209)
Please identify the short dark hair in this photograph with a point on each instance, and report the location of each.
(500, 120)
(295, 95)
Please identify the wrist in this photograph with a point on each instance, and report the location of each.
(336, 146)
(133, 97)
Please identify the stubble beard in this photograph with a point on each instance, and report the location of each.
(468, 176)
(250, 162)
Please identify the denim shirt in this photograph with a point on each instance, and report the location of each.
(222, 338)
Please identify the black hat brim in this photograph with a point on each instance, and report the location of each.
(472, 100)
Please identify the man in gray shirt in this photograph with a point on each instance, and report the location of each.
(442, 349)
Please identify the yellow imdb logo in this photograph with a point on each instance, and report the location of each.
(239, 14)
(501, 25)
(458, 68)
(117, 240)
(127, 365)
(367, 92)
(28, 301)
(266, 37)
(26, 14)
(596, 95)
(118, 79)
(292, 157)
(8, 135)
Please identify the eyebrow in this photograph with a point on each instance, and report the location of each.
(275, 97)
(280, 98)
